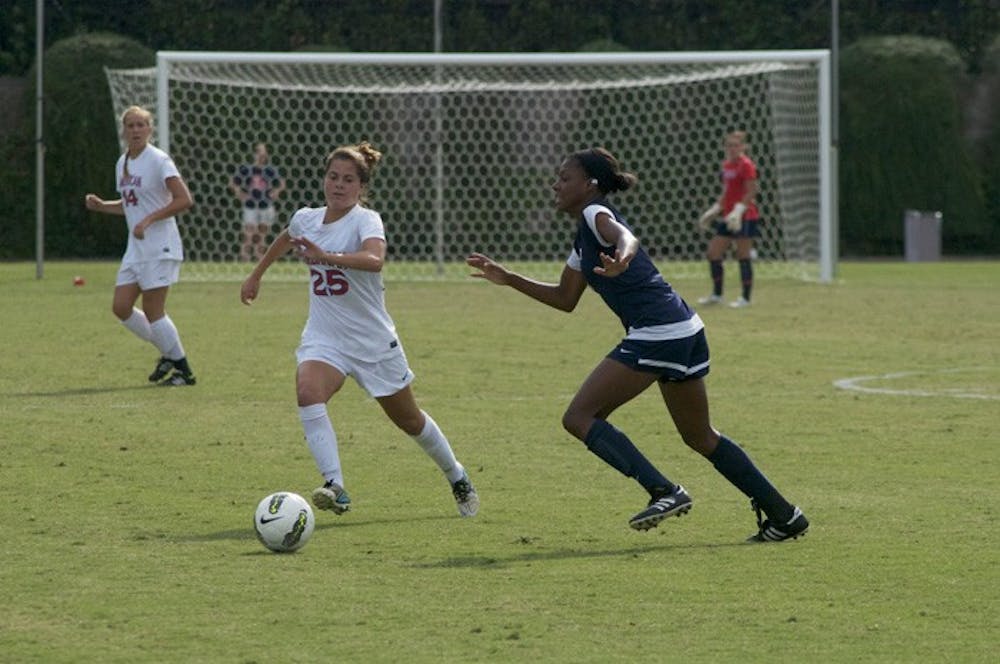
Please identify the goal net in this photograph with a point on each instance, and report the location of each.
(471, 144)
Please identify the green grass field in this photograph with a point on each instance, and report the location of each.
(127, 530)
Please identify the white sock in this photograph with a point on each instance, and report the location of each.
(138, 325)
(322, 441)
(432, 440)
(165, 337)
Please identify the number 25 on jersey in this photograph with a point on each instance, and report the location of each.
(329, 282)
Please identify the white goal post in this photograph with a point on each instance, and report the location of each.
(471, 143)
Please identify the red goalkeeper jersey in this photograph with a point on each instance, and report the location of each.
(735, 175)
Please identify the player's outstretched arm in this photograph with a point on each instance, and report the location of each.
(251, 286)
(563, 296)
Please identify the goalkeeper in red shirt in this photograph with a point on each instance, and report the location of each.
(733, 217)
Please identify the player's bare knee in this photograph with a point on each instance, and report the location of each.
(411, 425)
(576, 423)
(703, 443)
(121, 312)
(307, 395)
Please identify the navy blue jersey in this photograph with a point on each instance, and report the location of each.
(257, 181)
(647, 306)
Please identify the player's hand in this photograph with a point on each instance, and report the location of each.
(308, 251)
(93, 202)
(709, 216)
(249, 290)
(734, 220)
(612, 266)
(139, 232)
(488, 268)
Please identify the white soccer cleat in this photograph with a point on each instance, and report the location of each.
(740, 303)
(331, 496)
(710, 299)
(466, 497)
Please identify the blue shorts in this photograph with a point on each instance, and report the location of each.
(672, 360)
(751, 228)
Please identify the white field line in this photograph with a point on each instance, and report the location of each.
(855, 384)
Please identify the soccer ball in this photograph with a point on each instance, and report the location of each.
(284, 521)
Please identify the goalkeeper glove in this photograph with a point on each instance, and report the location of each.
(734, 220)
(706, 219)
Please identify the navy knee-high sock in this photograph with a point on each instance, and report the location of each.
(616, 450)
(716, 270)
(734, 464)
(746, 277)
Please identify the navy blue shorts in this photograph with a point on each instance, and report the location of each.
(673, 360)
(751, 228)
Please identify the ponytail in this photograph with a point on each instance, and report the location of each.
(600, 165)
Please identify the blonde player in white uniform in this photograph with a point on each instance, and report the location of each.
(152, 192)
(349, 332)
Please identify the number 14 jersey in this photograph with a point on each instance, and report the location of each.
(144, 191)
(346, 306)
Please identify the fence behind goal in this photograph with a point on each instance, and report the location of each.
(471, 144)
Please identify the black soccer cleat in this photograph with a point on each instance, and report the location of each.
(770, 531)
(164, 366)
(675, 503)
(178, 379)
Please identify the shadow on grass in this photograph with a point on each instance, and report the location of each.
(82, 391)
(492, 562)
(248, 533)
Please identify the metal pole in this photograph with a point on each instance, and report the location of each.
(437, 26)
(835, 69)
(163, 102)
(39, 141)
(438, 150)
(835, 134)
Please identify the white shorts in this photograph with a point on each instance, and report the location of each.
(150, 274)
(258, 216)
(381, 378)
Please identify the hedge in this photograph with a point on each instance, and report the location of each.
(902, 146)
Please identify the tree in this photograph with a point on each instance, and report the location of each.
(902, 144)
(81, 147)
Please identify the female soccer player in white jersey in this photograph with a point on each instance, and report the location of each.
(664, 344)
(349, 332)
(152, 193)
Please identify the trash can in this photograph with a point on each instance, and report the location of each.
(922, 235)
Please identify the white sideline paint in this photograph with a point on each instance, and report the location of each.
(855, 384)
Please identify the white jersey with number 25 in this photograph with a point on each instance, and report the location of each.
(346, 306)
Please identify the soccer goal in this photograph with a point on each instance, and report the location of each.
(471, 143)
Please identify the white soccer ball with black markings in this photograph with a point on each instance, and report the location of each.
(284, 522)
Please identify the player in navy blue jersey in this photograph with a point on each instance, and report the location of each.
(664, 344)
(257, 186)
